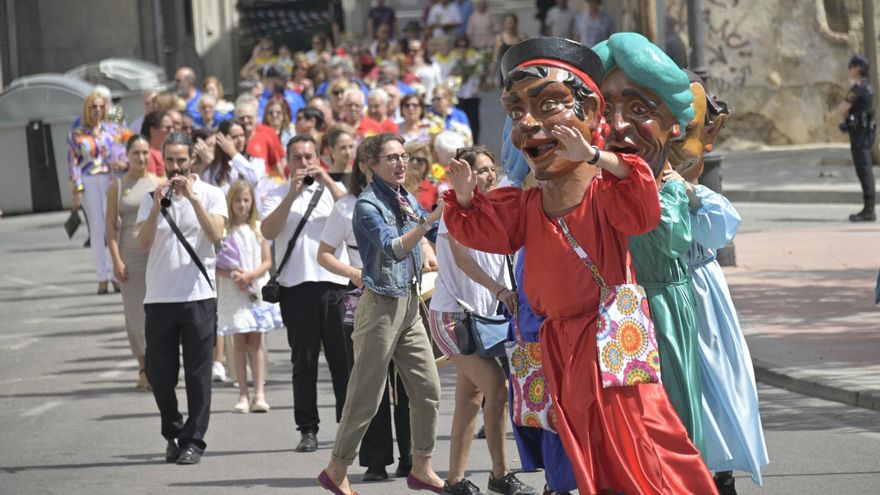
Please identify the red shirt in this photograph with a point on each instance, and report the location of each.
(156, 165)
(265, 144)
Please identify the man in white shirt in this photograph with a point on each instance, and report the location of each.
(311, 297)
(444, 17)
(560, 19)
(180, 302)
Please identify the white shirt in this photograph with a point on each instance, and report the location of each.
(338, 230)
(172, 276)
(559, 22)
(454, 289)
(241, 168)
(303, 263)
(443, 15)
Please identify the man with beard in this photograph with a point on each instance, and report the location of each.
(180, 301)
(619, 439)
(649, 103)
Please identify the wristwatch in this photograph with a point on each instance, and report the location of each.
(423, 223)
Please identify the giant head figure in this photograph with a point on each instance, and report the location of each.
(648, 98)
(710, 116)
(551, 81)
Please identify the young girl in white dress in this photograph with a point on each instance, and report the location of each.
(242, 268)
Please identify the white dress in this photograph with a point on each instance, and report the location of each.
(239, 311)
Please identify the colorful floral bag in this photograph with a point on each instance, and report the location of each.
(531, 404)
(625, 338)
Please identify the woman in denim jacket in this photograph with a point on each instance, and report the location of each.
(389, 226)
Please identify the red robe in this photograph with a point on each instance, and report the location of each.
(624, 438)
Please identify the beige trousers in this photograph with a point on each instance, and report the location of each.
(385, 329)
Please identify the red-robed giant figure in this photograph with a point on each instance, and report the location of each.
(620, 439)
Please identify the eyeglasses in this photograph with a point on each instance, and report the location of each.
(396, 158)
(338, 92)
(419, 161)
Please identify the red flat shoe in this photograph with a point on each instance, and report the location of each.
(414, 483)
(331, 487)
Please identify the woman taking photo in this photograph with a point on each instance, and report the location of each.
(473, 281)
(389, 226)
(90, 162)
(129, 262)
(377, 449)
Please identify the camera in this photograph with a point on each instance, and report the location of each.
(166, 198)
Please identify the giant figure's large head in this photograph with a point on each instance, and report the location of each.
(648, 98)
(710, 116)
(550, 81)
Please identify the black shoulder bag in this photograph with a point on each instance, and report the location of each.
(272, 289)
(189, 249)
(474, 330)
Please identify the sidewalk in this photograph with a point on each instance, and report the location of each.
(792, 174)
(805, 298)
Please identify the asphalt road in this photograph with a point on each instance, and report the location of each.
(70, 421)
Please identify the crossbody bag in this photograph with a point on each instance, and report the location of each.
(625, 337)
(272, 290)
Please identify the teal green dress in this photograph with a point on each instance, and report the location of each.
(661, 270)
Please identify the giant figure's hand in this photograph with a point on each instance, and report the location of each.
(463, 180)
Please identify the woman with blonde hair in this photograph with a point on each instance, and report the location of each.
(90, 162)
(242, 268)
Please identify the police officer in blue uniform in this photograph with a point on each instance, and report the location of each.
(859, 123)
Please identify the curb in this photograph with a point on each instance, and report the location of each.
(793, 196)
(766, 373)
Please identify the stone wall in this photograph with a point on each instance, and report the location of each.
(781, 64)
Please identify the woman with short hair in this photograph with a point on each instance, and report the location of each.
(90, 162)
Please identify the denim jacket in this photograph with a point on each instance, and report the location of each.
(378, 226)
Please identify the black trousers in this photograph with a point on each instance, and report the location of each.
(860, 143)
(471, 108)
(377, 446)
(312, 313)
(194, 326)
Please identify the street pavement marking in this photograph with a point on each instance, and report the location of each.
(36, 411)
(31, 283)
(21, 344)
(118, 369)
(872, 435)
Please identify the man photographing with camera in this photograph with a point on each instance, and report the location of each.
(310, 296)
(180, 302)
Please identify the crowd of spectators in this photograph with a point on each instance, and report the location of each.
(311, 139)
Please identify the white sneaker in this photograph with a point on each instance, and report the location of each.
(218, 372)
(242, 406)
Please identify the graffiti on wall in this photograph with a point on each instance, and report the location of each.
(728, 50)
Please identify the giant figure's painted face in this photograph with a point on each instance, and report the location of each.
(535, 105)
(686, 156)
(639, 121)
